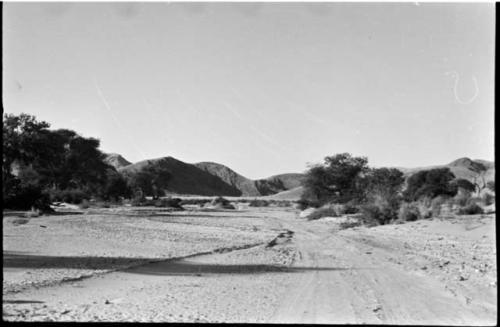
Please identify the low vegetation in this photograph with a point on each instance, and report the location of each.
(345, 184)
(258, 203)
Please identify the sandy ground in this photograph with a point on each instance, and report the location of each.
(250, 265)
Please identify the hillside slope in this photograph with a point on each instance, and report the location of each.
(229, 176)
(186, 178)
(116, 160)
(472, 170)
(278, 183)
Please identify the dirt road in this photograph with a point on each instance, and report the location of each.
(311, 273)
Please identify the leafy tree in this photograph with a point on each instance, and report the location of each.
(37, 159)
(430, 183)
(337, 180)
(463, 184)
(382, 194)
(150, 181)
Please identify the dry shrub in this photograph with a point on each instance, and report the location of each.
(195, 201)
(462, 198)
(258, 203)
(349, 224)
(345, 209)
(168, 203)
(424, 205)
(221, 202)
(488, 199)
(470, 209)
(326, 211)
(438, 203)
(84, 204)
(409, 212)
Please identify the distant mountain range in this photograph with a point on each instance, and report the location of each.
(210, 178)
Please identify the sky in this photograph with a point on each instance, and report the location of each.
(264, 88)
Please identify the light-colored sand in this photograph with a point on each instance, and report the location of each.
(425, 272)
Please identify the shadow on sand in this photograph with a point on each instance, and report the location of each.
(21, 301)
(147, 266)
(186, 267)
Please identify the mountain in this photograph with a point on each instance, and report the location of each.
(210, 178)
(116, 160)
(185, 178)
(229, 176)
(466, 168)
(293, 194)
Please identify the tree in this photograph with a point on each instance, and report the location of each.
(461, 183)
(21, 147)
(387, 182)
(382, 194)
(337, 180)
(430, 183)
(116, 186)
(50, 161)
(150, 181)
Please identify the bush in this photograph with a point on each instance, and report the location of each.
(378, 213)
(349, 224)
(84, 204)
(283, 203)
(345, 209)
(75, 196)
(102, 204)
(409, 212)
(303, 204)
(488, 199)
(26, 196)
(169, 203)
(194, 201)
(221, 202)
(470, 209)
(437, 204)
(462, 198)
(326, 211)
(424, 205)
(258, 203)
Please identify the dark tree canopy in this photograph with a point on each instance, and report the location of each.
(37, 159)
(150, 181)
(430, 183)
(384, 181)
(337, 180)
(463, 184)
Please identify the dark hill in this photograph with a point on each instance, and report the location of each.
(229, 176)
(186, 178)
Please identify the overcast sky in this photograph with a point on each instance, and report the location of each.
(261, 88)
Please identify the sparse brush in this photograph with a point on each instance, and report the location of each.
(195, 201)
(349, 224)
(258, 203)
(424, 205)
(345, 209)
(169, 203)
(462, 198)
(488, 199)
(409, 212)
(84, 204)
(470, 209)
(322, 212)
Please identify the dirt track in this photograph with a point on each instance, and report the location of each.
(311, 273)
